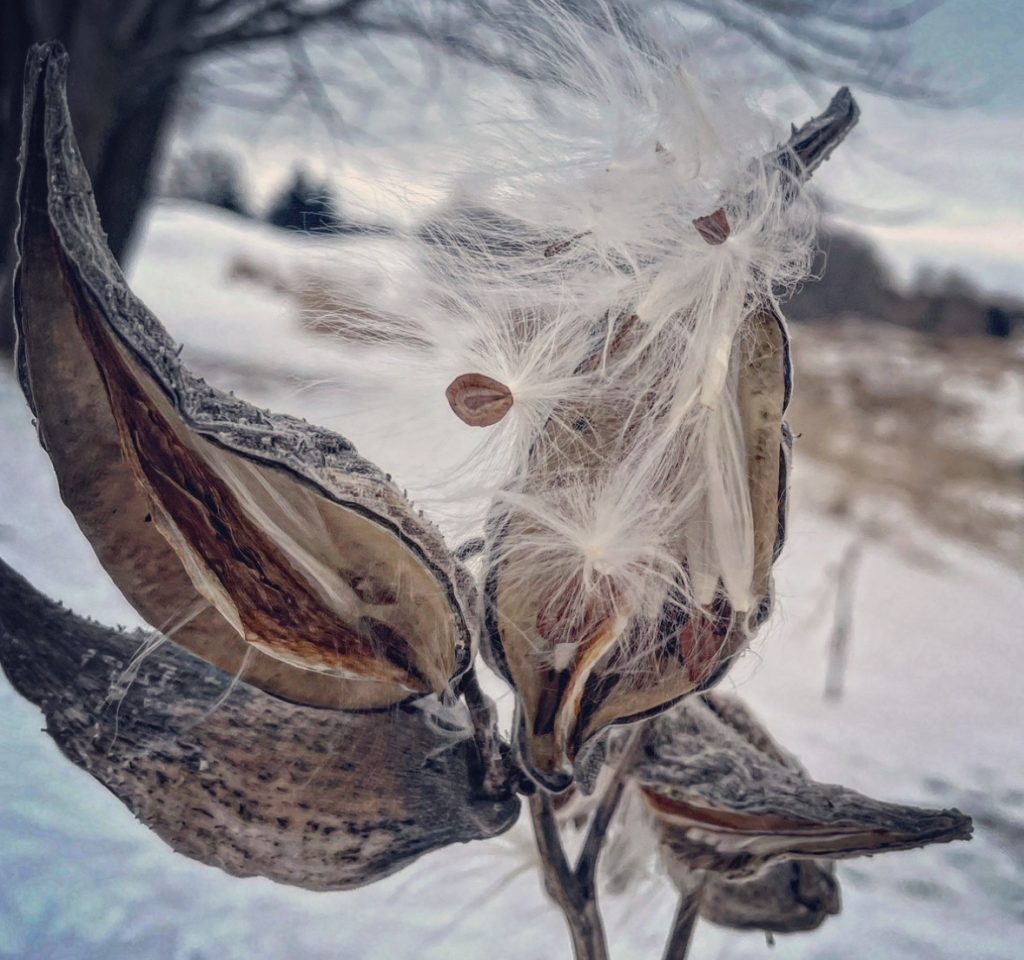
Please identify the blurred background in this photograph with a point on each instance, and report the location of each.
(257, 164)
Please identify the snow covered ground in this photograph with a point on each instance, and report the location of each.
(931, 710)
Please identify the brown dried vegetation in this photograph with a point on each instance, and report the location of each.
(895, 414)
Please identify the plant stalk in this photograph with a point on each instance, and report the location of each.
(680, 939)
(581, 912)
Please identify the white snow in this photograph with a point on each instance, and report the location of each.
(930, 713)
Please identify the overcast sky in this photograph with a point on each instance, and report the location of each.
(959, 173)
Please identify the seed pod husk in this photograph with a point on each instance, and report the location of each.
(233, 777)
(563, 706)
(252, 536)
(730, 801)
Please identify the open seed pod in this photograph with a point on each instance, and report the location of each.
(235, 778)
(612, 676)
(629, 563)
(249, 536)
(730, 801)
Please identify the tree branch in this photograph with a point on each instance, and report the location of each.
(818, 43)
(274, 20)
(862, 15)
(279, 21)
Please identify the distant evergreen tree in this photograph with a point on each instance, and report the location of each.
(998, 323)
(304, 205)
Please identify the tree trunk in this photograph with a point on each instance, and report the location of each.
(123, 179)
(120, 107)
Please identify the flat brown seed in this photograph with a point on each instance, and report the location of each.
(714, 228)
(479, 400)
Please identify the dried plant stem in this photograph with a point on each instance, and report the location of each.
(575, 891)
(496, 779)
(842, 626)
(581, 912)
(586, 866)
(683, 925)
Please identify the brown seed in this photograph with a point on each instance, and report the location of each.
(622, 334)
(560, 246)
(714, 228)
(478, 400)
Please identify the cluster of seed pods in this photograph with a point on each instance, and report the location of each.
(318, 610)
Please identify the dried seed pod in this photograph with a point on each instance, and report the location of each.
(298, 553)
(785, 897)
(479, 400)
(730, 801)
(325, 800)
(565, 702)
(664, 473)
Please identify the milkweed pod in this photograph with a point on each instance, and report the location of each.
(629, 557)
(783, 897)
(728, 800)
(581, 653)
(299, 555)
(233, 777)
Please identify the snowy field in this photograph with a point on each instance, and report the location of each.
(931, 710)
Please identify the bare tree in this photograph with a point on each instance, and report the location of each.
(131, 57)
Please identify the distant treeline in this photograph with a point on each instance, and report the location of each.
(854, 281)
(851, 277)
